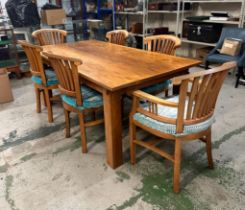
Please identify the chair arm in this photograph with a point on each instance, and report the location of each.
(145, 96)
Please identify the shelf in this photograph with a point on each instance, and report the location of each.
(106, 10)
(140, 35)
(227, 22)
(129, 13)
(184, 40)
(8, 63)
(221, 1)
(5, 42)
(166, 11)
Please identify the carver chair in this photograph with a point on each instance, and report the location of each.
(186, 117)
(44, 80)
(50, 36)
(166, 44)
(76, 97)
(215, 57)
(117, 37)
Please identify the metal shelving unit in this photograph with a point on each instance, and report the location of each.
(146, 14)
(143, 14)
(239, 23)
(8, 47)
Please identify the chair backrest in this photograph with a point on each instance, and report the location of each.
(232, 32)
(33, 53)
(117, 36)
(196, 103)
(201, 99)
(66, 70)
(166, 44)
(49, 36)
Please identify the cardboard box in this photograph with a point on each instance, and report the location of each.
(6, 94)
(53, 16)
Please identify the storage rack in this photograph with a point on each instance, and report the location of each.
(239, 23)
(146, 14)
(171, 12)
(12, 63)
(143, 14)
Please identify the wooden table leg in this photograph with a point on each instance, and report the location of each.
(113, 128)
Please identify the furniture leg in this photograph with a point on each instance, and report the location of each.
(132, 135)
(49, 106)
(38, 100)
(113, 128)
(83, 133)
(67, 121)
(239, 75)
(44, 99)
(177, 162)
(206, 65)
(209, 150)
(50, 95)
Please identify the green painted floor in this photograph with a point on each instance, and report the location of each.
(42, 170)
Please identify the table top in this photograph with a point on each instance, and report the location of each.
(115, 67)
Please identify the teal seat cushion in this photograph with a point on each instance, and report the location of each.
(157, 87)
(171, 128)
(51, 78)
(91, 99)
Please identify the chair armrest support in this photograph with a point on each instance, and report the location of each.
(145, 96)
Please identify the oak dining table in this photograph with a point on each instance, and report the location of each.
(115, 70)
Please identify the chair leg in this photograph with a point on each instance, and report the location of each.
(38, 100)
(67, 121)
(83, 133)
(93, 115)
(206, 65)
(132, 136)
(44, 99)
(239, 75)
(49, 106)
(177, 163)
(209, 150)
(166, 92)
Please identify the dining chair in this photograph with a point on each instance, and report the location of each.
(188, 116)
(166, 44)
(215, 57)
(50, 36)
(44, 80)
(76, 97)
(117, 36)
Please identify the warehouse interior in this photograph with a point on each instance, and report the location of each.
(112, 144)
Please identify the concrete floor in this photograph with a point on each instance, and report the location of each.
(40, 169)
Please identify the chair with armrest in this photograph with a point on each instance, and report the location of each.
(50, 36)
(44, 80)
(117, 36)
(76, 97)
(215, 57)
(166, 44)
(186, 117)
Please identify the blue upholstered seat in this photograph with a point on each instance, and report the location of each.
(221, 58)
(170, 128)
(157, 87)
(51, 78)
(91, 99)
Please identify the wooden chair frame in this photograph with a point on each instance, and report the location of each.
(162, 43)
(117, 36)
(200, 106)
(166, 44)
(50, 36)
(66, 69)
(33, 54)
